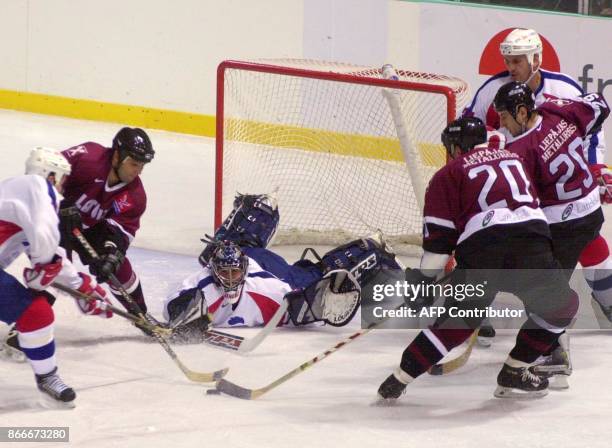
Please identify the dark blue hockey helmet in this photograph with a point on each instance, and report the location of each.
(229, 268)
(135, 143)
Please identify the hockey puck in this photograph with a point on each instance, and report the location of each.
(212, 392)
(436, 370)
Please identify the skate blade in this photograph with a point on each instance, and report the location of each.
(8, 353)
(517, 394)
(552, 370)
(48, 402)
(558, 382)
(484, 342)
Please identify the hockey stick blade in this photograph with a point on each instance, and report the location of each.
(240, 345)
(222, 340)
(445, 368)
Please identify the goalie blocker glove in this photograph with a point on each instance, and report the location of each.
(188, 317)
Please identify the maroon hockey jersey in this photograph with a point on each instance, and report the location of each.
(87, 188)
(484, 188)
(554, 156)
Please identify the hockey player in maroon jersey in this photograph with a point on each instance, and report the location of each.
(550, 139)
(482, 205)
(104, 195)
(522, 52)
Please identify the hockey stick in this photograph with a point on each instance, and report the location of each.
(198, 377)
(213, 337)
(248, 345)
(445, 368)
(118, 311)
(229, 388)
(234, 390)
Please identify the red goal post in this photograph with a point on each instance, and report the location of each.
(345, 150)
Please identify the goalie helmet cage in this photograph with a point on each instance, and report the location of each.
(346, 151)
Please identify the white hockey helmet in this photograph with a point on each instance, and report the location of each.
(47, 161)
(522, 41)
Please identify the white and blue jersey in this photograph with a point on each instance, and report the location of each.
(28, 223)
(268, 279)
(552, 85)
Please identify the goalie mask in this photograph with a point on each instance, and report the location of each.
(229, 268)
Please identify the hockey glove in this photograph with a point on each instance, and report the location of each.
(42, 275)
(70, 219)
(108, 263)
(97, 304)
(603, 176)
(419, 295)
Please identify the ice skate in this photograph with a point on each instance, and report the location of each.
(54, 391)
(520, 382)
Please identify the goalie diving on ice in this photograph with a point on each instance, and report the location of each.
(244, 284)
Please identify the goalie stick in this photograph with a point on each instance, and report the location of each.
(235, 390)
(192, 375)
(229, 388)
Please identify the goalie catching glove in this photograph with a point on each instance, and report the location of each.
(603, 176)
(333, 300)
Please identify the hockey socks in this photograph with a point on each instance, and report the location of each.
(35, 327)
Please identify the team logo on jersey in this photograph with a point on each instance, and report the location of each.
(567, 212)
(235, 320)
(559, 102)
(488, 217)
(76, 150)
(122, 204)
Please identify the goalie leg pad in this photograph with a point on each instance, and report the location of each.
(363, 258)
(329, 300)
(252, 223)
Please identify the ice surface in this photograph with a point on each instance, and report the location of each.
(130, 394)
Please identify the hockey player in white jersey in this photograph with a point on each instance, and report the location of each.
(29, 223)
(242, 283)
(522, 53)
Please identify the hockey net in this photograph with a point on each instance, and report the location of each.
(345, 150)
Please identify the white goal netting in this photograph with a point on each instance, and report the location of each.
(324, 137)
